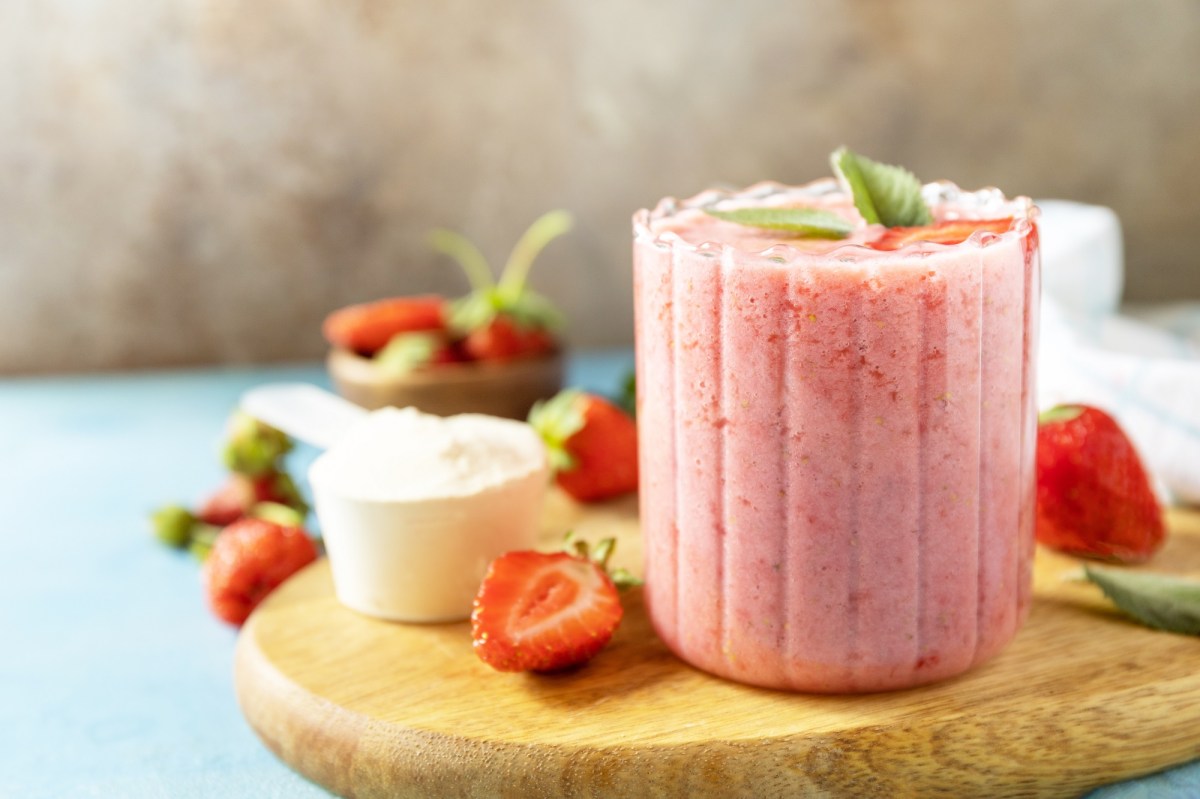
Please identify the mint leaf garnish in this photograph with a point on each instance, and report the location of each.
(1156, 600)
(883, 194)
(809, 222)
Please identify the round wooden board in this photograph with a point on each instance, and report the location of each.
(368, 708)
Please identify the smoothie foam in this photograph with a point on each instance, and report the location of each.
(837, 460)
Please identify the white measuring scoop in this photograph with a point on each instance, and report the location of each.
(412, 507)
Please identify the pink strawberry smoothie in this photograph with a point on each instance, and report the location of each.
(837, 443)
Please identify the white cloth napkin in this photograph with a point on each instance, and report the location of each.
(1142, 365)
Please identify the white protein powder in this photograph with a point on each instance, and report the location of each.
(401, 454)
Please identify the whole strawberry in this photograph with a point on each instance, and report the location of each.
(368, 327)
(504, 338)
(591, 444)
(546, 611)
(249, 559)
(1093, 496)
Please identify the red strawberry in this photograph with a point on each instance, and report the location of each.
(539, 611)
(368, 327)
(952, 231)
(240, 493)
(591, 443)
(502, 339)
(249, 559)
(1093, 496)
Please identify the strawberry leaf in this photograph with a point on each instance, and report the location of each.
(556, 420)
(809, 222)
(544, 230)
(509, 296)
(1060, 413)
(883, 194)
(622, 578)
(463, 250)
(276, 513)
(1156, 600)
(477, 310)
(407, 351)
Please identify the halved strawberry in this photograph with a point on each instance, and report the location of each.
(591, 444)
(368, 327)
(539, 611)
(1093, 496)
(951, 231)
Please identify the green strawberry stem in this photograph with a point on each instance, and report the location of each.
(600, 554)
(203, 538)
(173, 525)
(545, 229)
(556, 420)
(276, 513)
(252, 447)
(1060, 413)
(509, 297)
(463, 250)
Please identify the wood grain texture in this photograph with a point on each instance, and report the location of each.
(368, 708)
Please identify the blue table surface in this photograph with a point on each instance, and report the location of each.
(115, 680)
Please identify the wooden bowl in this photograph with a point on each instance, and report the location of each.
(505, 389)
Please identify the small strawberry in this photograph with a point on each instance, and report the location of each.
(240, 494)
(504, 319)
(504, 338)
(952, 231)
(591, 444)
(368, 327)
(248, 560)
(1093, 496)
(539, 611)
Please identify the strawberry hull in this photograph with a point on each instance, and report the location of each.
(837, 446)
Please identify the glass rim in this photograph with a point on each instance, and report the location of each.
(985, 203)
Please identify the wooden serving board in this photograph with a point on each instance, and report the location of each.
(368, 708)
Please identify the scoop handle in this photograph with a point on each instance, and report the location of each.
(303, 411)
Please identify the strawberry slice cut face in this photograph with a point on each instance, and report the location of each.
(951, 231)
(543, 612)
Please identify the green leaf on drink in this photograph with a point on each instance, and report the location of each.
(810, 222)
(884, 194)
(1161, 601)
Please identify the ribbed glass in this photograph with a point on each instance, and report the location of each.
(837, 447)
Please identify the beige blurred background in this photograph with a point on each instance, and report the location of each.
(201, 181)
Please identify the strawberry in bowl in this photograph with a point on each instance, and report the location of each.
(495, 351)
